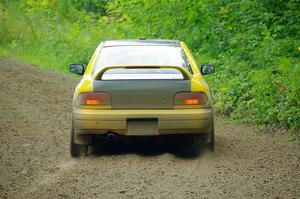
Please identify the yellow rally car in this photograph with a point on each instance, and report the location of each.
(141, 88)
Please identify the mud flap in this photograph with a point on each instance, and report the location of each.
(82, 139)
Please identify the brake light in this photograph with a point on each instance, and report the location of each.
(190, 100)
(94, 99)
(92, 102)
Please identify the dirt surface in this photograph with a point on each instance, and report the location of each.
(35, 162)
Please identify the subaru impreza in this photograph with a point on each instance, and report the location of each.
(141, 88)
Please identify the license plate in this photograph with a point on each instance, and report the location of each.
(141, 127)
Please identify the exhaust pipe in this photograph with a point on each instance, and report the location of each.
(111, 136)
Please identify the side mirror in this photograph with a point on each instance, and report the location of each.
(207, 69)
(77, 69)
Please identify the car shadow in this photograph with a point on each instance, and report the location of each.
(146, 147)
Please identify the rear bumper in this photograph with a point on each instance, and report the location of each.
(169, 121)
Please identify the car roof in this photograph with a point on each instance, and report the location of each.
(141, 42)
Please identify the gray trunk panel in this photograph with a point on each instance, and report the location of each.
(139, 94)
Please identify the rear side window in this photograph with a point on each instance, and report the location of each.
(142, 56)
(142, 73)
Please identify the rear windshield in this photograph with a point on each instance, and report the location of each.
(141, 56)
(142, 73)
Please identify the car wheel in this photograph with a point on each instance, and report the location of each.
(77, 149)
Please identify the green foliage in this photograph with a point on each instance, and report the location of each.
(254, 44)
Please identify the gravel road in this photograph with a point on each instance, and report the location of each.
(35, 162)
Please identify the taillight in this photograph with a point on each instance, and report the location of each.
(190, 100)
(94, 100)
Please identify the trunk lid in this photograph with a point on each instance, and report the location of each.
(142, 87)
(142, 94)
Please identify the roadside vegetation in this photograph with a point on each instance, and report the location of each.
(255, 45)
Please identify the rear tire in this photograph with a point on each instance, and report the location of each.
(77, 150)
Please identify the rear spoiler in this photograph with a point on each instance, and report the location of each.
(98, 75)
